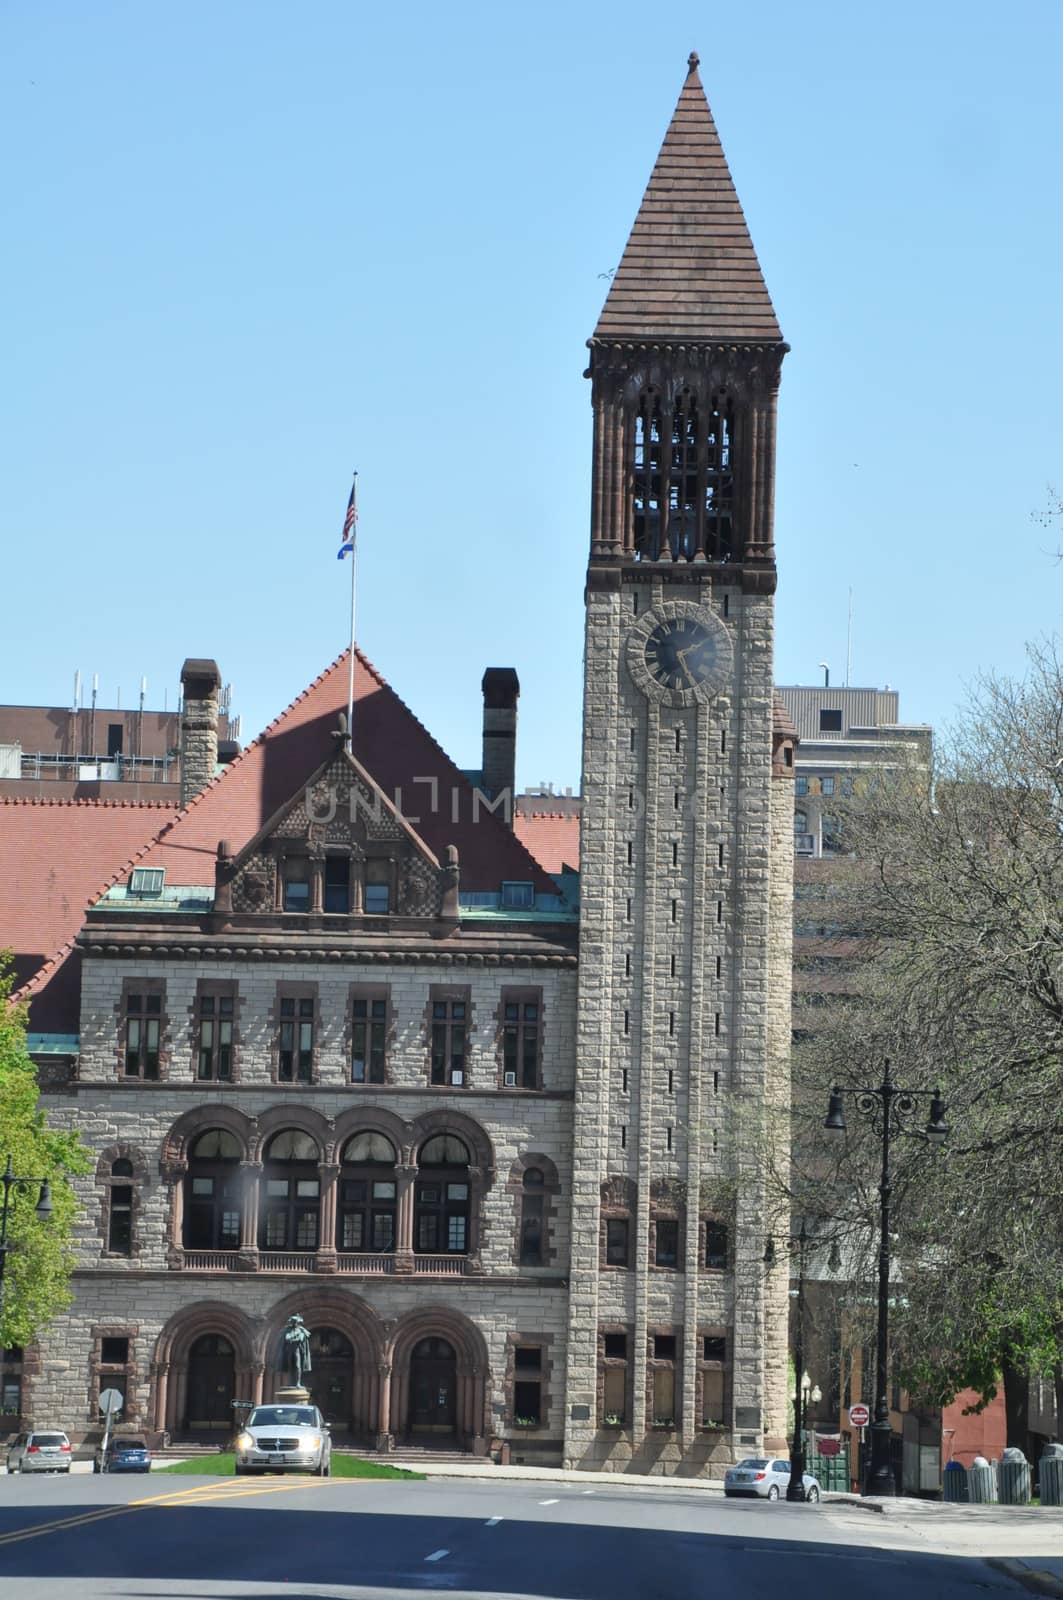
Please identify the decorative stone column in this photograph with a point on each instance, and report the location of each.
(405, 1178)
(327, 1260)
(162, 1388)
(317, 878)
(257, 1374)
(247, 1258)
(385, 1440)
(174, 1174)
(477, 1188)
(180, 1397)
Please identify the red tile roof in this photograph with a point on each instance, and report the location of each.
(55, 860)
(55, 857)
(414, 772)
(552, 838)
(689, 269)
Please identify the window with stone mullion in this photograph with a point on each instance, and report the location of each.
(449, 1039)
(520, 1042)
(369, 1024)
(212, 1211)
(215, 1037)
(143, 1034)
(295, 1056)
(366, 1217)
(291, 1210)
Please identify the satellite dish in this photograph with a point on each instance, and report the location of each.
(111, 1402)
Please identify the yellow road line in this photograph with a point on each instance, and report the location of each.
(196, 1494)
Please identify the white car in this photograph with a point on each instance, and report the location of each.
(44, 1451)
(284, 1439)
(761, 1478)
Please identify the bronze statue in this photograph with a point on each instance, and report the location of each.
(295, 1351)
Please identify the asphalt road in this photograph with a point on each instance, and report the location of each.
(198, 1538)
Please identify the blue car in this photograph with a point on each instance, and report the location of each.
(123, 1455)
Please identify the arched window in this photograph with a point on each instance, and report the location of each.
(365, 1218)
(213, 1197)
(531, 1218)
(683, 477)
(120, 1208)
(290, 1213)
(441, 1204)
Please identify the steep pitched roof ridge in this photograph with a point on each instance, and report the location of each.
(689, 270)
(314, 707)
(89, 803)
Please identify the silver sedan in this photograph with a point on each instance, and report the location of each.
(762, 1478)
(284, 1439)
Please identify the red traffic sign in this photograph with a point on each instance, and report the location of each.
(859, 1416)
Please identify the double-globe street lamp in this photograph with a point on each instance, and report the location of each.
(896, 1108)
(42, 1209)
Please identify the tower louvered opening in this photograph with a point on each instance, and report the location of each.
(683, 478)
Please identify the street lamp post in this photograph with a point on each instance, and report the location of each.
(795, 1489)
(896, 1106)
(43, 1210)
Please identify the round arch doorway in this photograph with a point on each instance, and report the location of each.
(433, 1388)
(331, 1376)
(211, 1384)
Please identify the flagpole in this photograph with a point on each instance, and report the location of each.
(354, 571)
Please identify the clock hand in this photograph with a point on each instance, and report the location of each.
(681, 656)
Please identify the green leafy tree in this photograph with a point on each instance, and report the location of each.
(956, 890)
(40, 1255)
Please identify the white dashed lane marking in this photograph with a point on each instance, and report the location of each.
(548, 1502)
(437, 1555)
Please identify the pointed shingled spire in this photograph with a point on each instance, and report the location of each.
(689, 270)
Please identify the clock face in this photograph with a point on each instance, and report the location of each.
(681, 653)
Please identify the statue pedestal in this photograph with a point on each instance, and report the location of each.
(291, 1395)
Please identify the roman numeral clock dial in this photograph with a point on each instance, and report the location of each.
(680, 653)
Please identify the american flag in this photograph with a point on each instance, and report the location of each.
(350, 523)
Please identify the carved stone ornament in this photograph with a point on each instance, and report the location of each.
(680, 653)
(256, 888)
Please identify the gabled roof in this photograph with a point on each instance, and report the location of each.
(552, 837)
(394, 748)
(55, 858)
(689, 270)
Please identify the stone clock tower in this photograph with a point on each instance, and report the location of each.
(677, 1337)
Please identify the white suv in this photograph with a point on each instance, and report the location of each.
(45, 1451)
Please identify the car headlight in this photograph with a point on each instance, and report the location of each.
(313, 1443)
(244, 1441)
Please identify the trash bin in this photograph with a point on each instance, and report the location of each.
(1014, 1477)
(954, 1482)
(1050, 1468)
(981, 1482)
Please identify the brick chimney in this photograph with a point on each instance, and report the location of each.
(200, 682)
(501, 691)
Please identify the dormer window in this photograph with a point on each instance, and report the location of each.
(377, 895)
(337, 884)
(518, 896)
(296, 885)
(145, 883)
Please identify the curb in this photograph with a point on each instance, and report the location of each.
(631, 1480)
(1032, 1578)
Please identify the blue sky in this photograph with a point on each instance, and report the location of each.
(246, 248)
